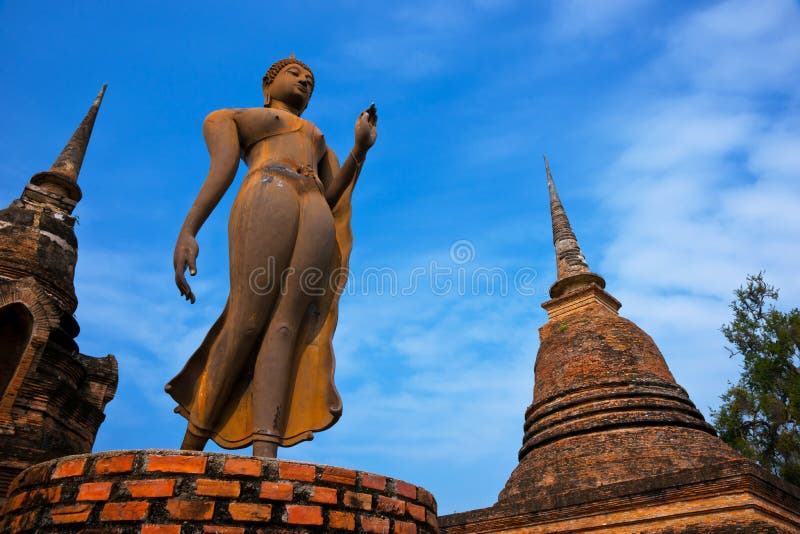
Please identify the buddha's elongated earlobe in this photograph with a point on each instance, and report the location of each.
(267, 99)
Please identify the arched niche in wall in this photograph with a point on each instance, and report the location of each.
(27, 317)
(16, 327)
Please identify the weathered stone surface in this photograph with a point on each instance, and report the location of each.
(729, 497)
(606, 409)
(40, 242)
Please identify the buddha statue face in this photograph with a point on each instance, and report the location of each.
(292, 86)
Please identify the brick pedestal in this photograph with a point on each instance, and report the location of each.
(180, 492)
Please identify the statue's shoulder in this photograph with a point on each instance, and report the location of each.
(236, 114)
(315, 132)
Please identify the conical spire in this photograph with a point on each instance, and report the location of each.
(569, 258)
(57, 187)
(607, 414)
(68, 164)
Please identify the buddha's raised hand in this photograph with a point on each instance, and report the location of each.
(366, 129)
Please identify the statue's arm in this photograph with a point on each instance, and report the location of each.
(335, 178)
(222, 140)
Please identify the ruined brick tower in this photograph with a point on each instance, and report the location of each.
(611, 442)
(52, 395)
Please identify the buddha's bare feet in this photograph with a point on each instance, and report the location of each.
(192, 442)
(265, 449)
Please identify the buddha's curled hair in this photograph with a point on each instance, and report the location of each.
(276, 67)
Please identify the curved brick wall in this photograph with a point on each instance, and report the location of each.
(172, 492)
(606, 410)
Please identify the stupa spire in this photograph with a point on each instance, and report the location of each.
(68, 164)
(572, 267)
(569, 257)
(606, 409)
(57, 187)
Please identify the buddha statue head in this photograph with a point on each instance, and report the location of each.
(289, 81)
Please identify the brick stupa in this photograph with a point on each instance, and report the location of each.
(52, 397)
(611, 442)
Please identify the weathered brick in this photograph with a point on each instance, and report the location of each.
(177, 464)
(16, 502)
(23, 522)
(243, 511)
(376, 482)
(341, 520)
(124, 511)
(431, 519)
(69, 468)
(161, 529)
(154, 487)
(375, 524)
(299, 514)
(416, 511)
(388, 505)
(218, 529)
(323, 495)
(73, 513)
(295, 471)
(114, 464)
(277, 491)
(425, 497)
(95, 491)
(405, 489)
(362, 501)
(339, 475)
(242, 466)
(217, 488)
(52, 494)
(404, 527)
(187, 510)
(33, 498)
(33, 476)
(49, 495)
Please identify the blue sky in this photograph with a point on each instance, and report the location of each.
(672, 129)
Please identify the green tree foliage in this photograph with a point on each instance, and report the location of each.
(759, 414)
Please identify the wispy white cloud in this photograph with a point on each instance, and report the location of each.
(703, 191)
(416, 60)
(685, 132)
(588, 18)
(737, 46)
(417, 39)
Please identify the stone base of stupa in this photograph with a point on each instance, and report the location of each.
(172, 492)
(731, 497)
